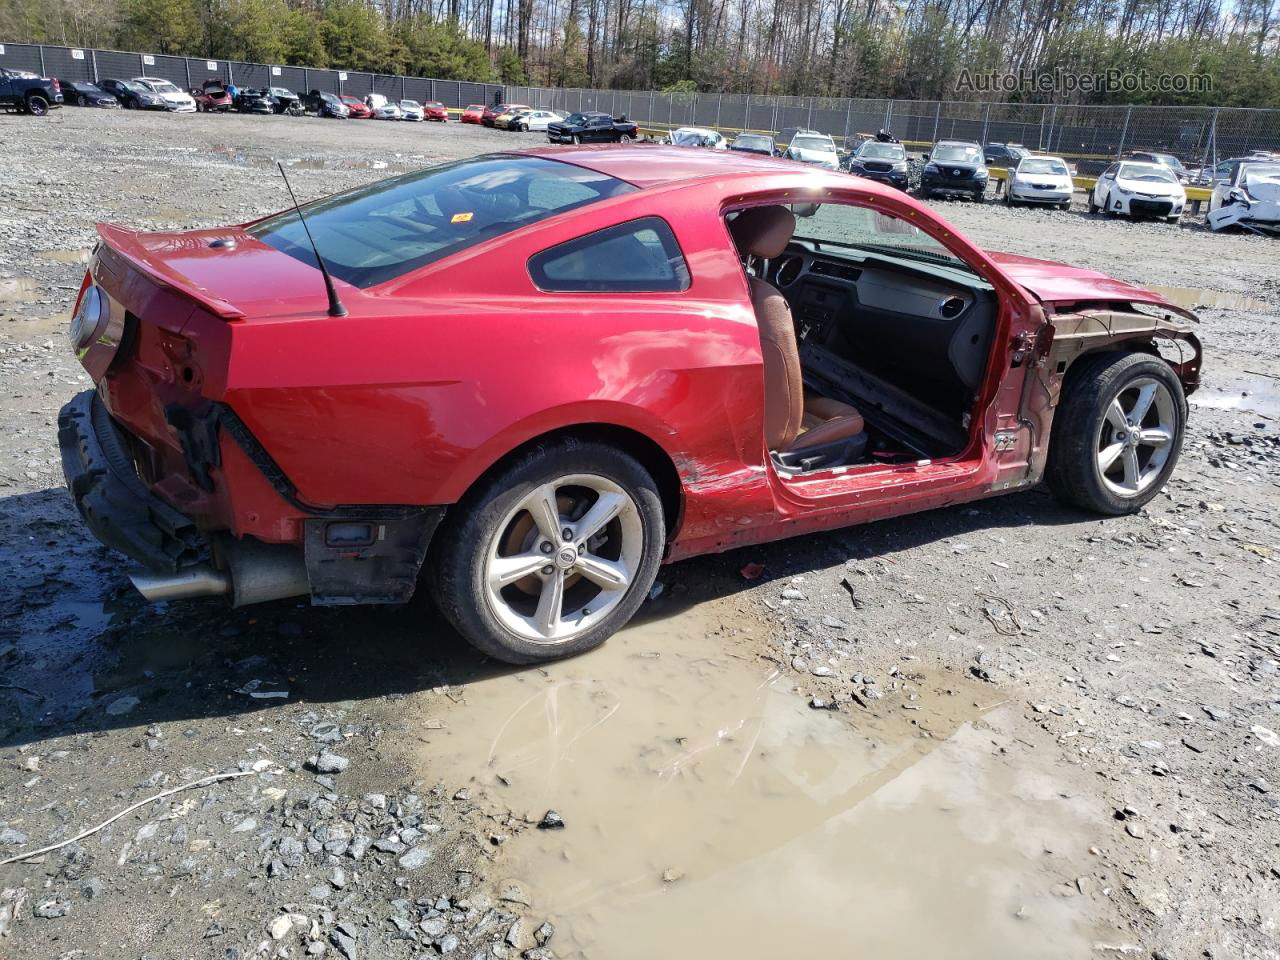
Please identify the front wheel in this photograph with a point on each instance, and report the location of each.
(577, 140)
(37, 105)
(1117, 433)
(625, 138)
(551, 555)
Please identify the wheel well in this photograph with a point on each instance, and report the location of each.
(650, 455)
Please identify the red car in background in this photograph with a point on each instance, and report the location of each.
(211, 97)
(357, 109)
(687, 357)
(435, 110)
(492, 112)
(473, 113)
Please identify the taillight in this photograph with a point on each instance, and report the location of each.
(57, 86)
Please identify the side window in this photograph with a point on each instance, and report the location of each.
(641, 256)
(1111, 171)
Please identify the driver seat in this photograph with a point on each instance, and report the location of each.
(793, 419)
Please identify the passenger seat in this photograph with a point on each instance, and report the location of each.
(793, 420)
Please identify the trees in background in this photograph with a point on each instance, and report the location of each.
(897, 48)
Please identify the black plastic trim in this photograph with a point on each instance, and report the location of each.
(114, 502)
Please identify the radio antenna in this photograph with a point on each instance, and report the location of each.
(336, 309)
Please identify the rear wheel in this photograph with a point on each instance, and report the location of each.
(551, 555)
(1118, 432)
(37, 105)
(576, 140)
(625, 138)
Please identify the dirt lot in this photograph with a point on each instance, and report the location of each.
(1002, 730)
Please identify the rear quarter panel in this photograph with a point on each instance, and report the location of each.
(433, 379)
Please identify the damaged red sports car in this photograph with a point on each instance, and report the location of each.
(541, 375)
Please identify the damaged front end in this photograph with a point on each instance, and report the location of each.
(1254, 205)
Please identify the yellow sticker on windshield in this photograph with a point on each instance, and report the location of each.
(461, 217)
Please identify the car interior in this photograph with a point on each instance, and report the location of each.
(875, 346)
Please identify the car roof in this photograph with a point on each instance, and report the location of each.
(649, 165)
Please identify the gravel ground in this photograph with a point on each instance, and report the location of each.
(1135, 659)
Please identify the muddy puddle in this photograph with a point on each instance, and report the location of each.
(396, 163)
(1192, 298)
(711, 812)
(1250, 393)
(13, 289)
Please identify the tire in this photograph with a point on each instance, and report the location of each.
(1065, 206)
(577, 140)
(37, 105)
(524, 128)
(1093, 207)
(1173, 219)
(1080, 442)
(979, 196)
(1008, 199)
(507, 622)
(625, 138)
(130, 105)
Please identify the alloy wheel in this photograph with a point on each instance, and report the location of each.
(563, 558)
(1136, 436)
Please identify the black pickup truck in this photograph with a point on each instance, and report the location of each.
(27, 93)
(591, 128)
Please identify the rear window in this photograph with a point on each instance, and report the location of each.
(377, 233)
(641, 256)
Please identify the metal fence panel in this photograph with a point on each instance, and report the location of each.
(418, 88)
(67, 63)
(117, 66)
(251, 75)
(21, 56)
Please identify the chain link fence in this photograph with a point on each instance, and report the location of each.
(1087, 133)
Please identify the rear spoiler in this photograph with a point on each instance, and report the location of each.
(126, 244)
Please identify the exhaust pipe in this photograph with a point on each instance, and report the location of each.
(198, 581)
(255, 573)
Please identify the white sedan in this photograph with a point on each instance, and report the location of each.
(179, 101)
(1040, 180)
(411, 110)
(537, 120)
(1132, 189)
(1248, 198)
(388, 111)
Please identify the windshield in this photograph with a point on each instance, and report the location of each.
(866, 229)
(1168, 159)
(872, 150)
(956, 153)
(136, 87)
(410, 104)
(1261, 170)
(576, 118)
(1017, 152)
(1149, 172)
(752, 141)
(281, 92)
(1038, 165)
(437, 103)
(692, 138)
(347, 98)
(382, 231)
(821, 144)
(163, 86)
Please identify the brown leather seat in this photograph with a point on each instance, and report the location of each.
(793, 420)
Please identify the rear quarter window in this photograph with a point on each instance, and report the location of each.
(640, 256)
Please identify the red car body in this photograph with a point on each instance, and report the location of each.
(425, 384)
(358, 109)
(473, 113)
(210, 98)
(435, 110)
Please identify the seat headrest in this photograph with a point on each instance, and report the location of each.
(763, 231)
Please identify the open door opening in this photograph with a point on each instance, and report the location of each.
(875, 337)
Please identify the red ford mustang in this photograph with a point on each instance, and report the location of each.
(541, 375)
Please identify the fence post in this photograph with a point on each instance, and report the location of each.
(187, 63)
(231, 75)
(937, 119)
(809, 123)
(1124, 132)
(986, 122)
(40, 48)
(775, 115)
(746, 117)
(142, 63)
(403, 96)
(719, 101)
(93, 58)
(848, 118)
(306, 80)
